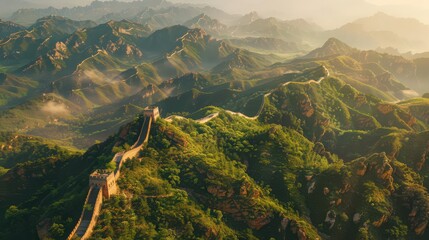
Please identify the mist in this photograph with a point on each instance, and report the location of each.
(54, 108)
(327, 13)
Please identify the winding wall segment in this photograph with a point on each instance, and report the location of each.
(89, 215)
(93, 202)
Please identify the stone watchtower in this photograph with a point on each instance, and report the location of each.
(152, 112)
(105, 180)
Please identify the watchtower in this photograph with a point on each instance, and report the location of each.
(152, 112)
(104, 179)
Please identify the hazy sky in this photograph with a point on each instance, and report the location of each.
(328, 13)
(409, 2)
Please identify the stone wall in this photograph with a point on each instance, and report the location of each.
(97, 207)
(96, 213)
(152, 112)
(107, 182)
(143, 138)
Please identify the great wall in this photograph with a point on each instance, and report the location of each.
(102, 183)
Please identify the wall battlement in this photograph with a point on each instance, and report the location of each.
(100, 174)
(152, 112)
(105, 180)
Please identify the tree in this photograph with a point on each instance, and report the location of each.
(397, 229)
(189, 230)
(57, 231)
(141, 207)
(15, 215)
(11, 212)
(166, 234)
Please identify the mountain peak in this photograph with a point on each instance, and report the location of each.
(248, 18)
(252, 16)
(52, 17)
(205, 22)
(60, 25)
(332, 47)
(7, 28)
(202, 15)
(335, 42)
(382, 14)
(197, 19)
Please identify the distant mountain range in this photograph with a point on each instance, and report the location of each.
(112, 68)
(79, 65)
(378, 31)
(382, 30)
(211, 26)
(103, 11)
(391, 69)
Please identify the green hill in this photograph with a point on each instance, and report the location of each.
(48, 184)
(323, 159)
(7, 28)
(332, 47)
(239, 178)
(27, 44)
(388, 73)
(332, 105)
(117, 65)
(14, 88)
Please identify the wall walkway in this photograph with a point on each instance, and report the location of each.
(93, 203)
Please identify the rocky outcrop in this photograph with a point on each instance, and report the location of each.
(219, 192)
(291, 227)
(311, 187)
(320, 149)
(330, 218)
(173, 136)
(385, 108)
(383, 219)
(416, 200)
(361, 169)
(241, 203)
(424, 158)
(363, 122)
(357, 217)
(377, 165)
(306, 106)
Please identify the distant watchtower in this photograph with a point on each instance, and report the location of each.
(104, 179)
(152, 112)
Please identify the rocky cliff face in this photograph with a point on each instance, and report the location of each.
(366, 196)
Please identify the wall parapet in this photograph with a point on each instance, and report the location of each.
(81, 216)
(104, 181)
(95, 214)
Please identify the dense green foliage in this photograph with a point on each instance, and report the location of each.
(325, 146)
(47, 184)
(208, 170)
